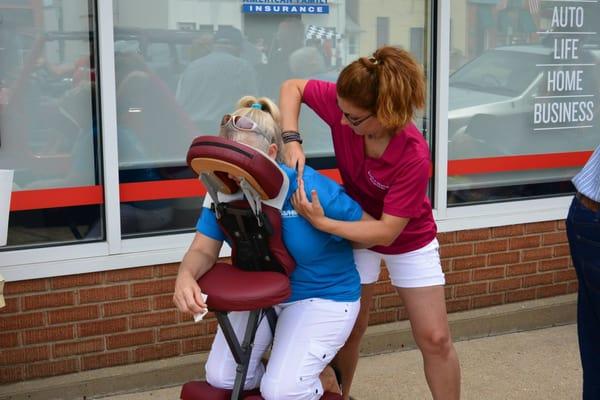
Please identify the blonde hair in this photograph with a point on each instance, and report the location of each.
(268, 120)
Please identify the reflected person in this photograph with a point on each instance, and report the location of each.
(288, 38)
(152, 130)
(308, 63)
(212, 82)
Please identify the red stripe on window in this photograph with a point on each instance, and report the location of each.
(160, 190)
(52, 198)
(89, 195)
(333, 173)
(517, 163)
(173, 189)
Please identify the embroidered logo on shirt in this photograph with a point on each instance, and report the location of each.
(376, 182)
(289, 213)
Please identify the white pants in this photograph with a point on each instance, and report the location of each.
(417, 268)
(308, 335)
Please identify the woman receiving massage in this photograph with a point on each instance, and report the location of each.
(314, 323)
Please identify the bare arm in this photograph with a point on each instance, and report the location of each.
(376, 232)
(368, 231)
(199, 258)
(290, 100)
(358, 245)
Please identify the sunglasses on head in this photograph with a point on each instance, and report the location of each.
(243, 124)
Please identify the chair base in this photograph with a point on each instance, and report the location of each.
(326, 396)
(200, 390)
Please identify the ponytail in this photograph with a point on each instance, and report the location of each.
(266, 104)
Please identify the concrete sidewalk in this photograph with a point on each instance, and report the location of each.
(534, 365)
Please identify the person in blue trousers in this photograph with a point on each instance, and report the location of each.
(583, 231)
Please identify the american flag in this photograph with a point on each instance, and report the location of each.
(534, 7)
(318, 32)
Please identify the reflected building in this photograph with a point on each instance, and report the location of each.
(382, 24)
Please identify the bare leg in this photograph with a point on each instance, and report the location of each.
(329, 381)
(426, 309)
(346, 359)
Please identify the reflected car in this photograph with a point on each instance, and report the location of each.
(491, 114)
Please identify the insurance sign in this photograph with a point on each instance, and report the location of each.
(285, 7)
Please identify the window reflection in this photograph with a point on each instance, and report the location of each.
(197, 58)
(507, 76)
(48, 121)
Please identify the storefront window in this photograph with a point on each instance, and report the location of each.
(182, 64)
(523, 97)
(49, 133)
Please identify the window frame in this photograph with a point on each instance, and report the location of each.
(118, 253)
(457, 218)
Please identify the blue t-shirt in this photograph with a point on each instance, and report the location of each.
(324, 263)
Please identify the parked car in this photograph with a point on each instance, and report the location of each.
(491, 114)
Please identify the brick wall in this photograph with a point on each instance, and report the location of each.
(67, 324)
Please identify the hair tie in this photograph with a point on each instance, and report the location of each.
(374, 60)
(256, 106)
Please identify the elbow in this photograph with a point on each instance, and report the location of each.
(388, 233)
(387, 239)
(380, 241)
(386, 242)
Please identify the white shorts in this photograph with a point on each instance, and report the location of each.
(417, 268)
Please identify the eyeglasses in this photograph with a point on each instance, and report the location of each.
(244, 124)
(356, 121)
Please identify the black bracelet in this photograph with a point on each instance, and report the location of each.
(291, 136)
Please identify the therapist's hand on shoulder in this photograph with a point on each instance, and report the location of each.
(294, 157)
(188, 296)
(311, 209)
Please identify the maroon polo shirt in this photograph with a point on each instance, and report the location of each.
(394, 184)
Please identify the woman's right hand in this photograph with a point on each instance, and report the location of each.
(188, 296)
(294, 157)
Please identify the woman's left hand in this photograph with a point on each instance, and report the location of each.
(311, 210)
